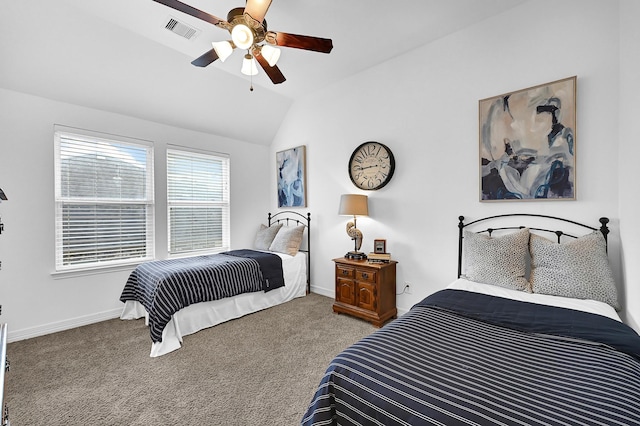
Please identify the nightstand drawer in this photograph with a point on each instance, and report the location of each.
(362, 275)
(345, 272)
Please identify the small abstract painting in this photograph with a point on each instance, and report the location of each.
(291, 177)
(528, 142)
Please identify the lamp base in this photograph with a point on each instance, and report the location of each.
(355, 255)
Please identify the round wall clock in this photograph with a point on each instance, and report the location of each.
(371, 166)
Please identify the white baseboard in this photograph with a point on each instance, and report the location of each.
(323, 291)
(54, 327)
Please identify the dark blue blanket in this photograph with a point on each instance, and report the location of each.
(270, 265)
(535, 318)
(462, 358)
(164, 287)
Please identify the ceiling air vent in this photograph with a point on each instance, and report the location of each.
(183, 30)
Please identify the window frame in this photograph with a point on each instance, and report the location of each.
(224, 204)
(148, 200)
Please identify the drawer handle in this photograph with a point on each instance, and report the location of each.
(345, 272)
(365, 275)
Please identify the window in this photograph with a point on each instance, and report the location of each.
(197, 201)
(104, 200)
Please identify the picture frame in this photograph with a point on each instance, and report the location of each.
(379, 246)
(528, 143)
(291, 175)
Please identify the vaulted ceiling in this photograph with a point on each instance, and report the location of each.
(117, 55)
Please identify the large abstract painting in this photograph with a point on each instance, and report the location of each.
(291, 176)
(528, 143)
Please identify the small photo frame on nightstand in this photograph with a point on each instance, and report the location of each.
(379, 246)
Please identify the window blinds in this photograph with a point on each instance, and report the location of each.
(104, 201)
(197, 201)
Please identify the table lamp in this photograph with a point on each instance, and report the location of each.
(354, 205)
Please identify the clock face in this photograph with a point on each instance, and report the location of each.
(371, 166)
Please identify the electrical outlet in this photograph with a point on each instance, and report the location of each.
(407, 287)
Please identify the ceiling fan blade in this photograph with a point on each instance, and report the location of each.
(317, 44)
(273, 72)
(257, 9)
(185, 8)
(205, 59)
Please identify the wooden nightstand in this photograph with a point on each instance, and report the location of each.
(366, 290)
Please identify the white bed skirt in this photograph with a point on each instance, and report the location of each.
(199, 316)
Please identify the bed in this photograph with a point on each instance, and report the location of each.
(178, 297)
(527, 335)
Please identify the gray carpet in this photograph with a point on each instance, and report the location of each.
(261, 369)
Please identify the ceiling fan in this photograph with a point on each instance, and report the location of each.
(248, 30)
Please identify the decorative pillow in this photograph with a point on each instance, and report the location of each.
(500, 261)
(288, 240)
(578, 268)
(265, 236)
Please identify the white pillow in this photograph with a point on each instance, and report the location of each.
(265, 236)
(578, 268)
(500, 261)
(288, 240)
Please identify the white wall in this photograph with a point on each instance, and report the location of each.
(34, 302)
(629, 155)
(424, 106)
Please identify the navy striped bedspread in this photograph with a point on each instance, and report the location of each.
(164, 287)
(462, 358)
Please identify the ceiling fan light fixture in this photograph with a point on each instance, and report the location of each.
(249, 65)
(223, 49)
(271, 54)
(242, 36)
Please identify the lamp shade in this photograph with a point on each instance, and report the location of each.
(354, 205)
(271, 54)
(242, 36)
(249, 65)
(223, 49)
